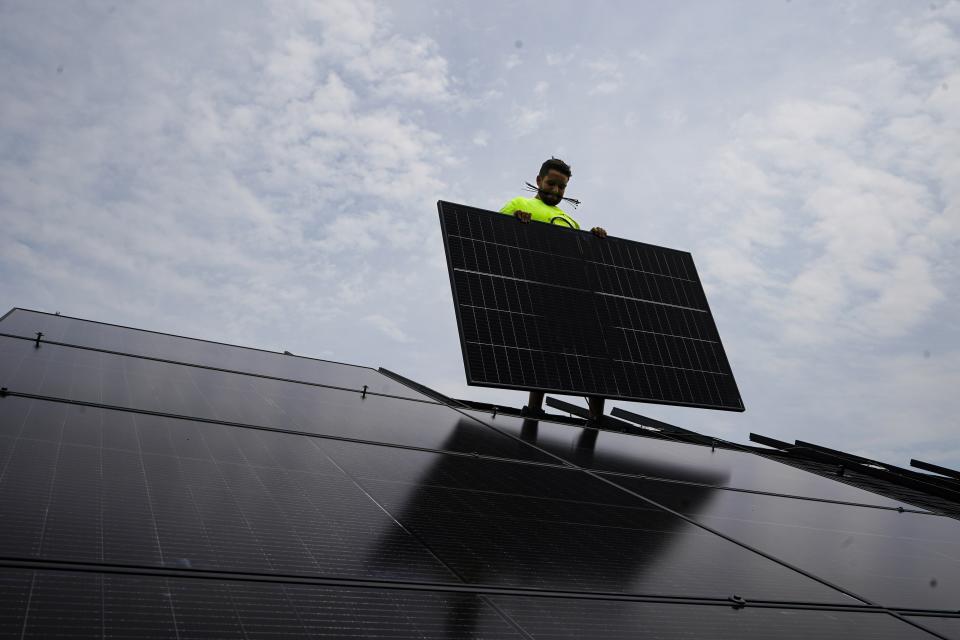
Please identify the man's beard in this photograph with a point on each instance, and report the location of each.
(550, 198)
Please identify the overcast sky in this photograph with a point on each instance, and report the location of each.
(266, 174)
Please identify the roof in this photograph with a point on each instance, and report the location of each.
(160, 485)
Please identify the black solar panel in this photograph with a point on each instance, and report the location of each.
(947, 627)
(98, 335)
(546, 308)
(160, 492)
(630, 620)
(886, 556)
(141, 498)
(93, 605)
(166, 492)
(527, 526)
(684, 462)
(147, 385)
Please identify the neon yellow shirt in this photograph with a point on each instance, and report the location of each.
(540, 211)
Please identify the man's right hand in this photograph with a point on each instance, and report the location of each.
(522, 216)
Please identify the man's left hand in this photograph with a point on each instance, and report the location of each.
(600, 232)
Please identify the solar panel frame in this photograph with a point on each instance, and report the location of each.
(587, 350)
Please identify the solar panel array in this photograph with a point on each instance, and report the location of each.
(218, 494)
(543, 307)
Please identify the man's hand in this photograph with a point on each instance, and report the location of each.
(523, 216)
(600, 232)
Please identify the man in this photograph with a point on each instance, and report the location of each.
(551, 183)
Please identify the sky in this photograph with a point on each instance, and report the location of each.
(266, 174)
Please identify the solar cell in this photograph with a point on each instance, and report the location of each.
(545, 618)
(527, 526)
(14, 596)
(106, 605)
(116, 606)
(546, 308)
(947, 627)
(683, 462)
(898, 560)
(128, 382)
(176, 493)
(22, 322)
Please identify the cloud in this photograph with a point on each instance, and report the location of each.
(674, 117)
(809, 120)
(605, 74)
(640, 57)
(931, 40)
(561, 59)
(526, 120)
(267, 175)
(405, 68)
(604, 87)
(235, 164)
(867, 176)
(388, 327)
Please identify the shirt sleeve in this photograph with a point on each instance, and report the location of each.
(510, 207)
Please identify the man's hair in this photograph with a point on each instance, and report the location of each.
(556, 164)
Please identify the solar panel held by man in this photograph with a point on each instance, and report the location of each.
(552, 308)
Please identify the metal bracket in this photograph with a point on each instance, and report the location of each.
(36, 345)
(363, 394)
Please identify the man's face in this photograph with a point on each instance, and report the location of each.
(552, 187)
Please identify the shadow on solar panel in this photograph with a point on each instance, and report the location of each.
(546, 308)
